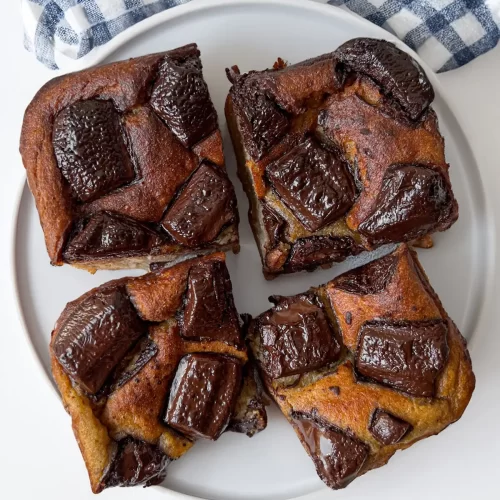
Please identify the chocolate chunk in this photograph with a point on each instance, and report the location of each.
(314, 183)
(96, 336)
(209, 312)
(413, 201)
(180, 97)
(203, 395)
(338, 458)
(90, 149)
(335, 389)
(308, 253)
(397, 73)
(388, 429)
(369, 279)
(249, 416)
(274, 225)
(261, 122)
(404, 355)
(203, 208)
(295, 337)
(134, 363)
(106, 234)
(136, 463)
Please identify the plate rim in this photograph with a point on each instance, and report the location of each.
(100, 54)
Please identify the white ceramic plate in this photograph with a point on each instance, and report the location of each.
(253, 34)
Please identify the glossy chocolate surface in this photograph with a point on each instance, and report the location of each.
(249, 416)
(314, 183)
(203, 395)
(369, 279)
(274, 225)
(96, 336)
(90, 149)
(338, 457)
(407, 356)
(261, 122)
(134, 362)
(136, 463)
(295, 337)
(308, 253)
(180, 97)
(397, 73)
(106, 234)
(203, 208)
(388, 429)
(414, 199)
(209, 311)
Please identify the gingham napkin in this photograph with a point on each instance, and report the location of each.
(446, 33)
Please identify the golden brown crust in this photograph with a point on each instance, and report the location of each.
(161, 162)
(404, 298)
(134, 408)
(164, 164)
(337, 397)
(91, 435)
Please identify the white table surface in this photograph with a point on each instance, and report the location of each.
(36, 460)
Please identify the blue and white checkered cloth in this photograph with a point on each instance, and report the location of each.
(446, 33)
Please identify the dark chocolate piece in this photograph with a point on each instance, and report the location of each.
(295, 337)
(180, 97)
(261, 122)
(369, 279)
(388, 429)
(397, 73)
(338, 458)
(413, 201)
(203, 395)
(274, 225)
(203, 208)
(209, 312)
(145, 352)
(106, 234)
(405, 355)
(96, 336)
(314, 183)
(308, 253)
(136, 463)
(249, 416)
(90, 149)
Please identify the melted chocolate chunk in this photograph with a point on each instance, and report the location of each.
(388, 429)
(136, 463)
(90, 149)
(249, 416)
(203, 208)
(261, 122)
(180, 97)
(295, 337)
(106, 234)
(397, 73)
(338, 458)
(314, 183)
(413, 201)
(308, 253)
(209, 312)
(130, 367)
(96, 336)
(369, 279)
(404, 355)
(274, 225)
(203, 395)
